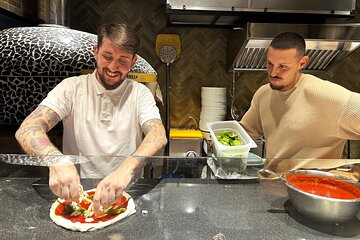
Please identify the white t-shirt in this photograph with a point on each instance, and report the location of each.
(100, 122)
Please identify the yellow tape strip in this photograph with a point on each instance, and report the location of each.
(142, 77)
(185, 133)
(139, 77)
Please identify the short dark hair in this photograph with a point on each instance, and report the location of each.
(288, 40)
(120, 34)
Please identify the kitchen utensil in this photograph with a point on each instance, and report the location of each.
(168, 49)
(233, 109)
(276, 167)
(167, 54)
(323, 209)
(165, 46)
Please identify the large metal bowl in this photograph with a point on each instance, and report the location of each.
(318, 208)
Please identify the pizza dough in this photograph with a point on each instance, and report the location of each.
(84, 227)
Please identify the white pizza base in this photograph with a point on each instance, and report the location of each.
(85, 227)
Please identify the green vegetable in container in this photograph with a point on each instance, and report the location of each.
(229, 138)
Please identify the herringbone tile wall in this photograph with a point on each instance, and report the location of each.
(202, 60)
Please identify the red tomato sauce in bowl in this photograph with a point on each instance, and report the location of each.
(324, 186)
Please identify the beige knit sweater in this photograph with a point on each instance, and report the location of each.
(312, 120)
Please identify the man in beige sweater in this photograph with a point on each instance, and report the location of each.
(300, 115)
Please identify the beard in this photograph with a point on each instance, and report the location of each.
(276, 87)
(106, 84)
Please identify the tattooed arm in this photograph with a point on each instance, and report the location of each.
(155, 138)
(112, 186)
(32, 134)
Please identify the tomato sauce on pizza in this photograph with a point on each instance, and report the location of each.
(61, 210)
(81, 217)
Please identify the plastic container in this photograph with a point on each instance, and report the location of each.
(220, 150)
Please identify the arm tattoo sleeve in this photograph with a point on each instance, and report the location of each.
(32, 132)
(154, 133)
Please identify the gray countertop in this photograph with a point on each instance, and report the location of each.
(176, 209)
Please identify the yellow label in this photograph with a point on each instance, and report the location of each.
(142, 77)
(139, 77)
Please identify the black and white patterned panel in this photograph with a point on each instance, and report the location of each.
(33, 60)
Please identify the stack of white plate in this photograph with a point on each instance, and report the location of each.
(213, 106)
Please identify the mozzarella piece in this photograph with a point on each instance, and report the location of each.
(90, 211)
(89, 220)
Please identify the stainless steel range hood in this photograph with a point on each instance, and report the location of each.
(326, 44)
(230, 13)
(323, 23)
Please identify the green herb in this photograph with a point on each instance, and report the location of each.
(69, 208)
(115, 211)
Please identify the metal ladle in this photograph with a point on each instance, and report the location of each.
(285, 165)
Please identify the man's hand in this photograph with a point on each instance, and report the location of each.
(64, 181)
(32, 136)
(110, 189)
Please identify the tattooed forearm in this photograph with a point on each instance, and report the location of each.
(44, 117)
(157, 132)
(40, 143)
(32, 133)
(52, 117)
(155, 126)
(155, 138)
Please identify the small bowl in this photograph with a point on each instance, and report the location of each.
(320, 208)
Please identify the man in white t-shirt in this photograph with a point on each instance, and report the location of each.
(103, 114)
